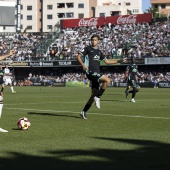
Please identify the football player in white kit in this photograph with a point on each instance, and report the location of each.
(7, 78)
(2, 83)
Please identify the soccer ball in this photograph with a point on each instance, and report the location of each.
(23, 123)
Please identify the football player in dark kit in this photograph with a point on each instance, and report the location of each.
(91, 65)
(131, 73)
(1, 79)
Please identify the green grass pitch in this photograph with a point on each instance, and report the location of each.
(119, 136)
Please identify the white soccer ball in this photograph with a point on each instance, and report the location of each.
(1, 98)
(24, 123)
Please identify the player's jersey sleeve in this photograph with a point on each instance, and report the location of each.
(84, 51)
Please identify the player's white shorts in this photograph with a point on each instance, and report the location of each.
(8, 81)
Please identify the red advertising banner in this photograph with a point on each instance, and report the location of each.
(129, 19)
(85, 22)
(99, 21)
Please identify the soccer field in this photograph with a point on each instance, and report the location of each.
(121, 135)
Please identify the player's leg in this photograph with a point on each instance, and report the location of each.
(1, 106)
(127, 88)
(89, 103)
(134, 90)
(105, 82)
(11, 86)
(2, 89)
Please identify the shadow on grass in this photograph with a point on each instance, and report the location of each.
(52, 114)
(149, 155)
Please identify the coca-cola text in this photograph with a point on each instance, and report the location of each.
(131, 19)
(88, 22)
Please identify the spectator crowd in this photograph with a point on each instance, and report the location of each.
(80, 77)
(141, 39)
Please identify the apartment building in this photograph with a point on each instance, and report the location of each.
(7, 16)
(163, 6)
(43, 15)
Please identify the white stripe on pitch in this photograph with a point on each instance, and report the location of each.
(55, 111)
(74, 102)
(38, 103)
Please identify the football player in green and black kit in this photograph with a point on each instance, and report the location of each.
(131, 73)
(1, 79)
(91, 65)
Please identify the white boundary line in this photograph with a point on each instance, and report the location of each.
(54, 111)
(74, 102)
(38, 103)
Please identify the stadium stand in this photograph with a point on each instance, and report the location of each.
(142, 39)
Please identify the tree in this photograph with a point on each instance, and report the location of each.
(154, 12)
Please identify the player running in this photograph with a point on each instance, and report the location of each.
(92, 56)
(7, 78)
(131, 73)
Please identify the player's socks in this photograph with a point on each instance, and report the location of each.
(1, 106)
(97, 102)
(86, 107)
(127, 93)
(12, 89)
(2, 89)
(133, 94)
(97, 98)
(131, 91)
(100, 93)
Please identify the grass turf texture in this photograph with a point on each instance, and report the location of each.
(120, 135)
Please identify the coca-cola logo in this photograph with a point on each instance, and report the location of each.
(88, 22)
(131, 19)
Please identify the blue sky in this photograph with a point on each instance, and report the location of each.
(145, 4)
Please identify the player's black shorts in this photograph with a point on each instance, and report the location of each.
(94, 78)
(132, 83)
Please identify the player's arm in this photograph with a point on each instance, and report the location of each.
(81, 62)
(126, 74)
(82, 52)
(7, 55)
(139, 75)
(122, 60)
